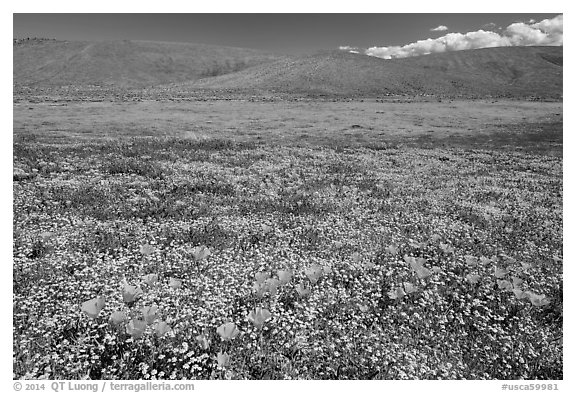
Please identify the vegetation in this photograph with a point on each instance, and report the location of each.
(172, 258)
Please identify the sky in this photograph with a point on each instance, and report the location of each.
(377, 34)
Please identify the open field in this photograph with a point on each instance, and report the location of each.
(471, 124)
(386, 240)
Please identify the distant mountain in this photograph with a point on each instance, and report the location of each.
(184, 67)
(507, 71)
(125, 63)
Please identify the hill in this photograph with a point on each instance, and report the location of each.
(510, 71)
(51, 63)
(184, 68)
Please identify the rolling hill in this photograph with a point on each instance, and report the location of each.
(125, 63)
(183, 67)
(510, 71)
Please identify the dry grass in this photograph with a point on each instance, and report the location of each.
(492, 124)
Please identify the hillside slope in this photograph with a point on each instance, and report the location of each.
(184, 68)
(124, 63)
(510, 71)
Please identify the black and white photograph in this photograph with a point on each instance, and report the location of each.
(287, 196)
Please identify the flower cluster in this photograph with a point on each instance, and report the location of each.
(168, 259)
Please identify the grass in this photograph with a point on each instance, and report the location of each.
(439, 261)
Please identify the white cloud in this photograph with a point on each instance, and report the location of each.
(446, 43)
(346, 47)
(440, 28)
(553, 27)
(489, 26)
(546, 32)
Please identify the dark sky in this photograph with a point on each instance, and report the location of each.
(282, 33)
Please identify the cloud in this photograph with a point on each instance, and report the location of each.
(489, 26)
(440, 28)
(346, 47)
(446, 43)
(547, 32)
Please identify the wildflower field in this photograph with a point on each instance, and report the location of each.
(212, 258)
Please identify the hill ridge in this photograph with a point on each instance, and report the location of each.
(183, 67)
(521, 71)
(125, 63)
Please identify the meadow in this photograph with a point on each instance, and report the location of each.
(288, 240)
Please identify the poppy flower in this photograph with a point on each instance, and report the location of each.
(200, 252)
(146, 249)
(259, 289)
(228, 331)
(162, 328)
(396, 294)
(150, 279)
(520, 294)
(471, 261)
(500, 273)
(313, 273)
(272, 286)
(436, 269)
(446, 248)
(136, 328)
(259, 316)
(537, 300)
(423, 272)
(261, 277)
(285, 276)
(118, 317)
(418, 266)
(416, 244)
(93, 307)
(505, 285)
(409, 288)
(46, 235)
(472, 278)
(526, 266)
(435, 237)
(413, 262)
(517, 282)
(130, 293)
(175, 283)
(150, 313)
(369, 264)
(302, 290)
(223, 359)
(507, 258)
(203, 341)
(356, 257)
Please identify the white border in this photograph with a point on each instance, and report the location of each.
(296, 6)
